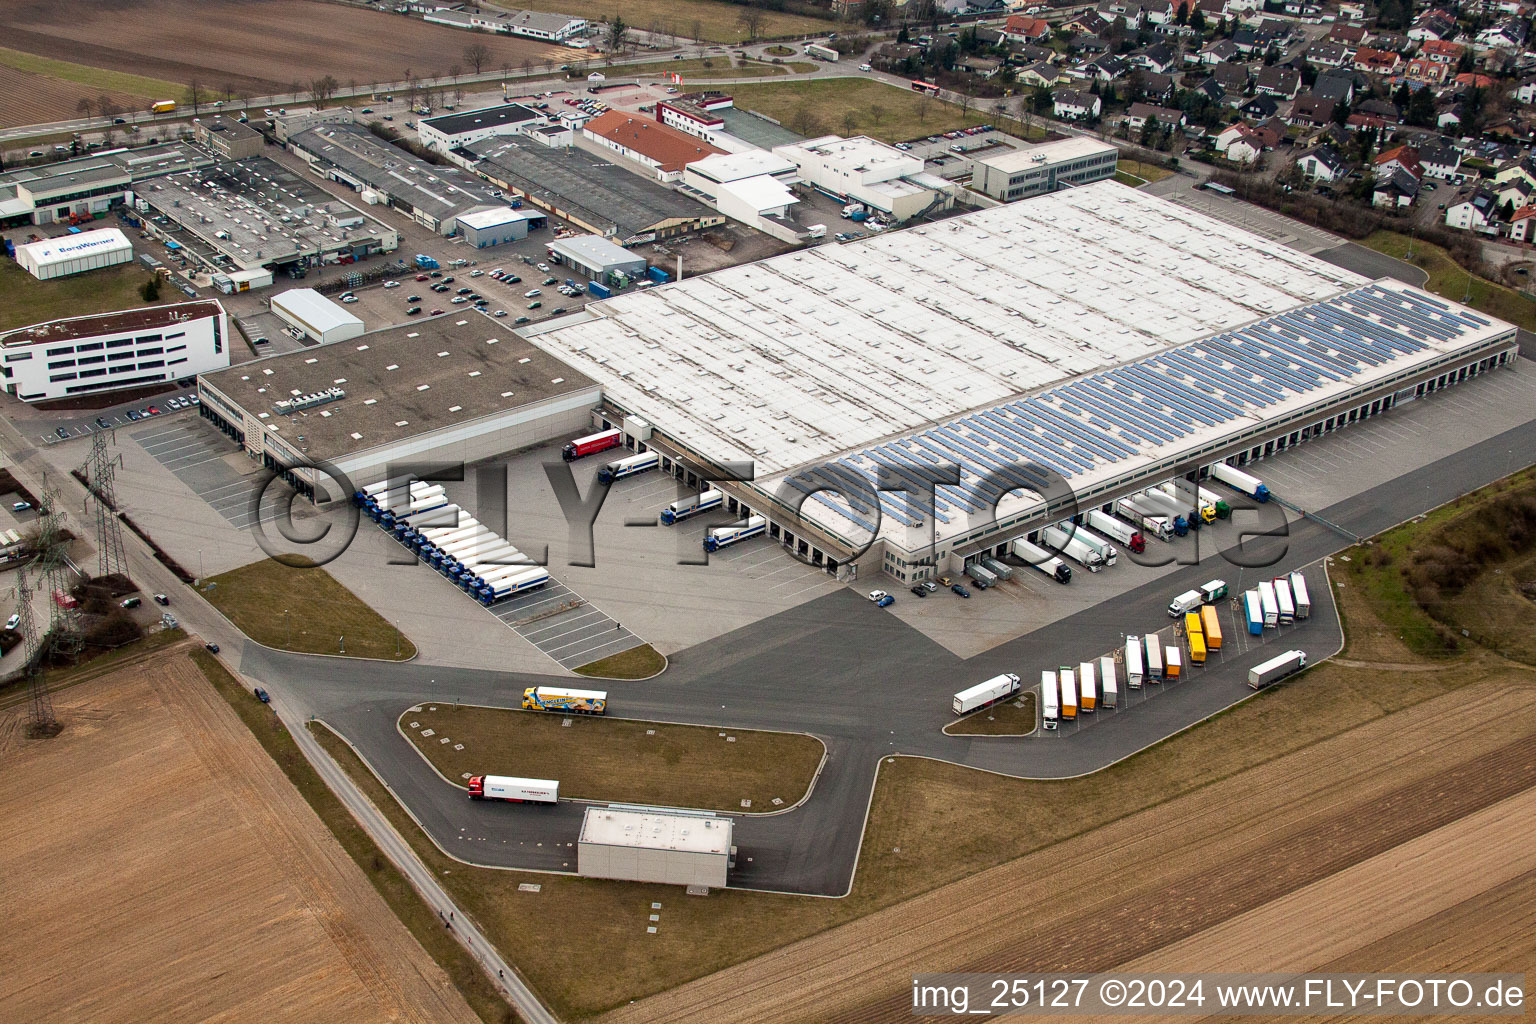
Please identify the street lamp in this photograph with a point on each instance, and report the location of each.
(288, 627)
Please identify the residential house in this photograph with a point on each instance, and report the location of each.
(1394, 41)
(1449, 118)
(1322, 164)
(1282, 83)
(1261, 107)
(1395, 189)
(1472, 80)
(1478, 212)
(1239, 143)
(1105, 69)
(1526, 93)
(1365, 123)
(1352, 10)
(1350, 35)
(1514, 194)
(1403, 157)
(1210, 89)
(1088, 45)
(1522, 225)
(1071, 105)
(1159, 12)
(1376, 62)
(1155, 88)
(1384, 109)
(1435, 24)
(1523, 169)
(1312, 111)
(1141, 113)
(1509, 34)
(1233, 77)
(1325, 54)
(1426, 71)
(985, 67)
(1219, 51)
(1339, 88)
(1440, 161)
(1253, 42)
(1271, 132)
(1115, 9)
(1442, 51)
(1029, 53)
(1090, 24)
(1041, 74)
(1023, 28)
(1159, 57)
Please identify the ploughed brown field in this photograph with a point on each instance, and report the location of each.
(159, 866)
(255, 47)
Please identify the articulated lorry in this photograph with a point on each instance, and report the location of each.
(1106, 550)
(565, 701)
(1236, 479)
(986, 694)
(1152, 518)
(1050, 704)
(1043, 560)
(1223, 509)
(631, 466)
(513, 790)
(591, 444)
(1276, 669)
(1283, 600)
(1116, 529)
(1197, 511)
(1269, 603)
(691, 506)
(1157, 501)
(1055, 538)
(725, 536)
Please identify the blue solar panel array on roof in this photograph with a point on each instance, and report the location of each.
(1118, 413)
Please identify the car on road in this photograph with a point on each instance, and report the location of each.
(211, 648)
(63, 434)
(535, 304)
(959, 588)
(13, 622)
(436, 312)
(367, 110)
(162, 599)
(103, 423)
(130, 602)
(389, 117)
(865, 67)
(21, 506)
(262, 695)
(391, 284)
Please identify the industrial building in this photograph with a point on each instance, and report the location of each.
(1097, 336)
(549, 26)
(714, 117)
(599, 259)
(433, 196)
(486, 228)
(255, 213)
(90, 185)
(130, 349)
(450, 131)
(862, 170)
(643, 845)
(460, 388)
(1043, 167)
(317, 316)
(74, 254)
(590, 192)
(227, 138)
(648, 146)
(752, 187)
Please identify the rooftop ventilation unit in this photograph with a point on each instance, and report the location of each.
(290, 406)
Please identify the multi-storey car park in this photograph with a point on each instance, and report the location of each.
(1096, 341)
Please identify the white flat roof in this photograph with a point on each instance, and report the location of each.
(72, 247)
(746, 164)
(655, 830)
(860, 153)
(763, 192)
(314, 309)
(1025, 157)
(482, 219)
(797, 358)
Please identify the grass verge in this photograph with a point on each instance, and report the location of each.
(636, 663)
(25, 300)
(709, 20)
(1013, 718)
(304, 610)
(880, 111)
(1448, 280)
(618, 759)
(95, 78)
(1143, 170)
(1127, 178)
(419, 919)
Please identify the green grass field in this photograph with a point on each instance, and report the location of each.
(707, 20)
(1448, 280)
(1012, 718)
(599, 758)
(636, 663)
(694, 68)
(879, 111)
(94, 78)
(26, 300)
(304, 610)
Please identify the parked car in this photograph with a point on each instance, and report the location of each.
(477, 273)
(13, 622)
(211, 648)
(422, 277)
(413, 311)
(499, 314)
(465, 291)
(63, 434)
(21, 506)
(876, 595)
(162, 599)
(262, 695)
(535, 304)
(413, 298)
(530, 293)
(103, 423)
(959, 588)
(133, 414)
(130, 602)
(512, 279)
(458, 300)
(919, 591)
(436, 312)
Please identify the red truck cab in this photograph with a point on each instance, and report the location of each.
(591, 444)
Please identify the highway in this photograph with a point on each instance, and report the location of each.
(867, 684)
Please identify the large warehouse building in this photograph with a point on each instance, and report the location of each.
(320, 319)
(1098, 336)
(636, 844)
(74, 254)
(130, 349)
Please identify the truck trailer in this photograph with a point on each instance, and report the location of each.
(514, 790)
(1300, 596)
(1105, 549)
(998, 569)
(1133, 670)
(1173, 660)
(1057, 539)
(1276, 669)
(1043, 560)
(1253, 612)
(1210, 626)
(619, 469)
(986, 694)
(1068, 692)
(725, 536)
(1109, 688)
(1087, 686)
(1152, 522)
(1154, 647)
(1050, 704)
(565, 701)
(1283, 600)
(1117, 530)
(1156, 501)
(1270, 605)
(591, 444)
(980, 575)
(692, 505)
(1236, 479)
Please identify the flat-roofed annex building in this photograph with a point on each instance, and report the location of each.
(89, 354)
(454, 388)
(651, 845)
(1044, 167)
(1098, 336)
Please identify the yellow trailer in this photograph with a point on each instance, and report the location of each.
(1210, 623)
(1194, 633)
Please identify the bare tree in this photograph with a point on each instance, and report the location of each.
(106, 107)
(966, 100)
(85, 107)
(696, 30)
(322, 89)
(477, 55)
(751, 22)
(195, 94)
(527, 67)
(876, 114)
(850, 122)
(803, 122)
(227, 92)
(924, 102)
(454, 72)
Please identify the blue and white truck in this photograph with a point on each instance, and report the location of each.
(1244, 483)
(725, 536)
(631, 466)
(692, 505)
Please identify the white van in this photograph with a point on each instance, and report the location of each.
(1188, 601)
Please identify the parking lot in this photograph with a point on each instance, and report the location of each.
(205, 461)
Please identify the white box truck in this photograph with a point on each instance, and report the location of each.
(1154, 648)
(1189, 601)
(1054, 537)
(1300, 596)
(1283, 600)
(1133, 670)
(1109, 689)
(1087, 686)
(1276, 669)
(1050, 705)
(514, 790)
(1106, 550)
(1116, 529)
(1269, 603)
(1043, 560)
(990, 692)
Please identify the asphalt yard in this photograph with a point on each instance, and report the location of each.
(561, 624)
(203, 459)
